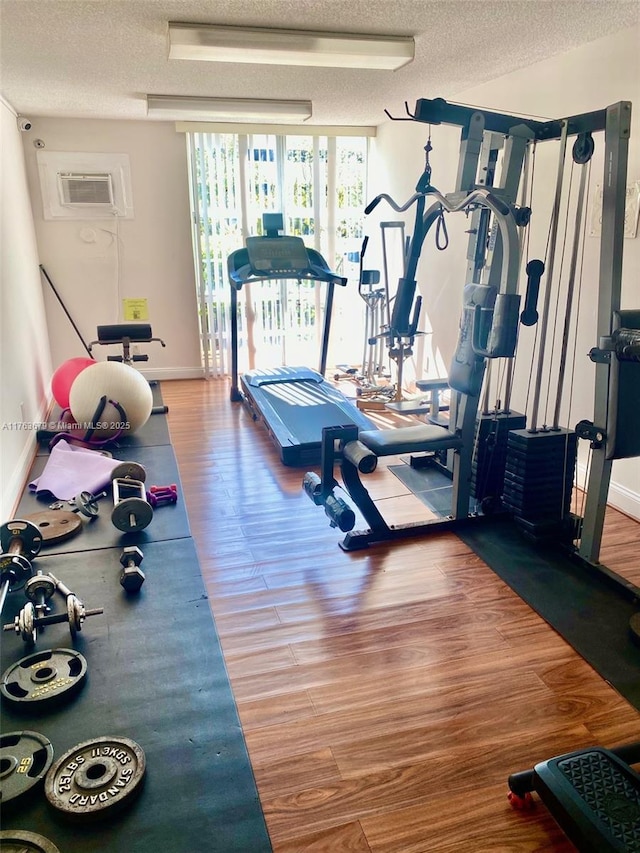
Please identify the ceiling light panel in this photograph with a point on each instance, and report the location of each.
(211, 43)
(227, 109)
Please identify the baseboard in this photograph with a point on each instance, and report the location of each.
(159, 374)
(619, 497)
(625, 500)
(14, 486)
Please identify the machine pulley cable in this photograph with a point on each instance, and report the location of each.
(549, 264)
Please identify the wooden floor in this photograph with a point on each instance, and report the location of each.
(385, 695)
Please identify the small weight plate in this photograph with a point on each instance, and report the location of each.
(132, 514)
(25, 758)
(96, 777)
(55, 525)
(87, 504)
(129, 471)
(18, 841)
(44, 677)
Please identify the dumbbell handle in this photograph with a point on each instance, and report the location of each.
(54, 619)
(60, 586)
(15, 546)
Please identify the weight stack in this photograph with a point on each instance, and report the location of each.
(538, 480)
(489, 461)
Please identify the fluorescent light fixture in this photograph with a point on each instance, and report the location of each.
(288, 47)
(226, 109)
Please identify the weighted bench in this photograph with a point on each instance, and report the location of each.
(593, 795)
(125, 335)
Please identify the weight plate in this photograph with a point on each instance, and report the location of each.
(55, 525)
(18, 528)
(25, 758)
(96, 777)
(17, 841)
(44, 677)
(132, 514)
(87, 504)
(129, 471)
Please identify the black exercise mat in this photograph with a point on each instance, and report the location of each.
(581, 605)
(154, 432)
(170, 521)
(156, 675)
(589, 611)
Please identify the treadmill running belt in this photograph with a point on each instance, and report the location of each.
(305, 408)
(295, 412)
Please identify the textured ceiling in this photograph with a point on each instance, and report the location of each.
(99, 58)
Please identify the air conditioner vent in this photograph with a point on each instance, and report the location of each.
(85, 190)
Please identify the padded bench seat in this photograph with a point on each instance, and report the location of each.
(413, 439)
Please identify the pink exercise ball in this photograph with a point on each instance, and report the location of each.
(64, 377)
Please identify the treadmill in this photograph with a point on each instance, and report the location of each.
(293, 403)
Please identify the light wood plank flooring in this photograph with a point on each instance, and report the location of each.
(385, 695)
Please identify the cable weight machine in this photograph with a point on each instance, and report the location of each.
(490, 321)
(488, 326)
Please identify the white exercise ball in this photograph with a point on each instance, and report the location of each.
(119, 383)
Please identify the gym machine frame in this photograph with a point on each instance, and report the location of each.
(490, 331)
(476, 153)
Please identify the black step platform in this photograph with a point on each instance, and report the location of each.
(593, 794)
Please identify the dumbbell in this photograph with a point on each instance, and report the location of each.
(159, 495)
(131, 509)
(131, 577)
(20, 541)
(39, 590)
(27, 621)
(85, 504)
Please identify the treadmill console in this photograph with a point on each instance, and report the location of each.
(273, 255)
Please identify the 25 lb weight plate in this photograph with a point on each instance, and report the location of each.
(44, 678)
(17, 841)
(25, 758)
(96, 777)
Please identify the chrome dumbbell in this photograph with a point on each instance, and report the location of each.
(131, 577)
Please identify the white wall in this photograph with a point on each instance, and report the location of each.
(95, 264)
(588, 78)
(25, 364)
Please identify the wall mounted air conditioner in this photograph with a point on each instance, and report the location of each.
(77, 185)
(85, 190)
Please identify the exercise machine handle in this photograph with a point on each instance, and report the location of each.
(529, 316)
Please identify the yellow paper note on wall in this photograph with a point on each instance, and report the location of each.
(135, 309)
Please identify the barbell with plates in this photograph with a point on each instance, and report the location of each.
(20, 541)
